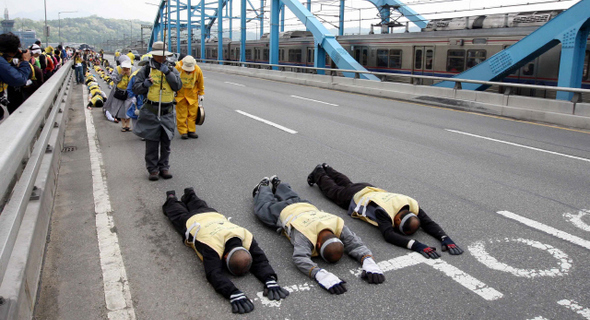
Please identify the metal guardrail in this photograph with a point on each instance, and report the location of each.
(24, 137)
(384, 75)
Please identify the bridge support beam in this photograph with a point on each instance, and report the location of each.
(243, 31)
(319, 58)
(203, 30)
(220, 4)
(571, 66)
(274, 33)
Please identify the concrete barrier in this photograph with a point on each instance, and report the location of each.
(563, 113)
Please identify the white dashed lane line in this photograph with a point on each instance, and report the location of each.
(574, 306)
(278, 126)
(318, 101)
(235, 84)
(518, 145)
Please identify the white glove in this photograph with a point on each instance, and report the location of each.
(372, 272)
(136, 111)
(330, 282)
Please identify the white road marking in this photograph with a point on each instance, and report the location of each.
(235, 84)
(414, 258)
(318, 101)
(538, 318)
(545, 228)
(273, 303)
(574, 306)
(565, 263)
(577, 219)
(519, 145)
(116, 286)
(278, 126)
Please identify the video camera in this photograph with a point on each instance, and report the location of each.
(19, 54)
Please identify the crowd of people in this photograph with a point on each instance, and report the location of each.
(24, 70)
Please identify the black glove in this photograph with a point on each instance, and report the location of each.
(273, 291)
(426, 251)
(164, 69)
(240, 303)
(448, 244)
(147, 83)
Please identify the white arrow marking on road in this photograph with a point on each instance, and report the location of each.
(577, 219)
(574, 306)
(519, 145)
(273, 303)
(116, 285)
(278, 126)
(565, 263)
(545, 228)
(318, 101)
(235, 84)
(414, 258)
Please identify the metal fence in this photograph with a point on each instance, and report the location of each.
(506, 87)
(24, 138)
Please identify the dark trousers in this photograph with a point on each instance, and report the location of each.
(179, 211)
(157, 153)
(268, 206)
(337, 187)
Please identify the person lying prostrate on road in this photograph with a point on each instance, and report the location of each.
(396, 215)
(221, 244)
(312, 232)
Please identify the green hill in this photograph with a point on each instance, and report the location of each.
(93, 30)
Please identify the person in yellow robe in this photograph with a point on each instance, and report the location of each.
(189, 97)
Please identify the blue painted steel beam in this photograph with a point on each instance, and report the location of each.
(168, 27)
(282, 17)
(243, 31)
(341, 21)
(204, 31)
(274, 33)
(177, 26)
(326, 40)
(570, 28)
(220, 4)
(384, 6)
(190, 29)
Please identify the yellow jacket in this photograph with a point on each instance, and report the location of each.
(192, 84)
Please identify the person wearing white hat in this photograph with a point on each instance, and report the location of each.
(116, 103)
(189, 97)
(159, 82)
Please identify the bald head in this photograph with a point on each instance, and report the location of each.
(330, 247)
(239, 261)
(409, 222)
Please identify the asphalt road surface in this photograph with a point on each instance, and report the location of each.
(514, 195)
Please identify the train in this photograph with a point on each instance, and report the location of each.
(445, 48)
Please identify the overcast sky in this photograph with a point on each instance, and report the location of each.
(138, 9)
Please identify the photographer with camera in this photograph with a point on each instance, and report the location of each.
(15, 70)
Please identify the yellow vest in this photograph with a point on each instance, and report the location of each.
(310, 221)
(131, 56)
(392, 203)
(154, 91)
(117, 54)
(94, 91)
(124, 80)
(96, 98)
(214, 230)
(94, 86)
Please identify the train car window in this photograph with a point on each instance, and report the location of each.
(248, 54)
(475, 57)
(529, 69)
(265, 55)
(382, 58)
(586, 66)
(418, 59)
(480, 41)
(295, 55)
(310, 55)
(365, 57)
(429, 58)
(214, 54)
(455, 60)
(395, 59)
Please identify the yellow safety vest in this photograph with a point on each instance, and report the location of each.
(310, 221)
(392, 203)
(95, 91)
(154, 91)
(124, 80)
(131, 56)
(96, 98)
(117, 54)
(214, 230)
(93, 87)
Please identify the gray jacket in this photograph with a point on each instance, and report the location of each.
(148, 126)
(268, 207)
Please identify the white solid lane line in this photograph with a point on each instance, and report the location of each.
(318, 101)
(278, 126)
(574, 306)
(545, 228)
(519, 145)
(235, 84)
(116, 286)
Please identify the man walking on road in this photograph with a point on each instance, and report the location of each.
(312, 232)
(156, 122)
(395, 214)
(220, 243)
(189, 97)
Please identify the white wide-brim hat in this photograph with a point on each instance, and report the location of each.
(126, 64)
(188, 63)
(158, 48)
